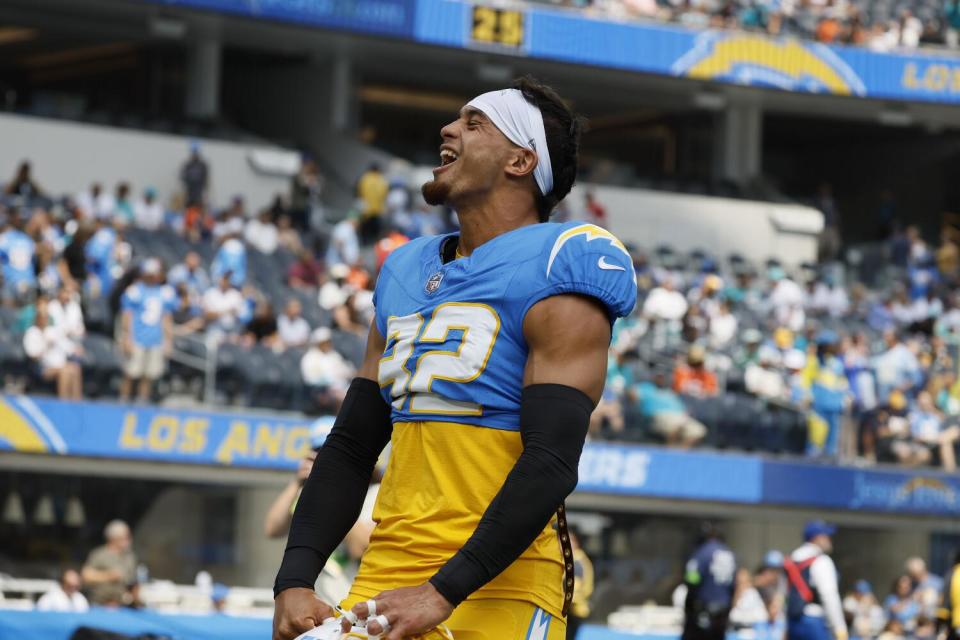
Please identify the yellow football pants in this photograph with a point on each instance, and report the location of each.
(493, 620)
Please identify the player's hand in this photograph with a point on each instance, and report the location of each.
(409, 611)
(306, 465)
(297, 610)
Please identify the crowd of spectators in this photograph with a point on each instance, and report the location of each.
(874, 370)
(877, 25)
(60, 258)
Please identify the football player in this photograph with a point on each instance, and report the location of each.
(487, 354)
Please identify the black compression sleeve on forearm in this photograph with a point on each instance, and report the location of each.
(334, 492)
(553, 425)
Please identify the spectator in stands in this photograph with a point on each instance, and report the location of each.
(262, 328)
(865, 615)
(47, 269)
(372, 191)
(306, 189)
(325, 371)
(723, 327)
(305, 273)
(928, 429)
(123, 213)
(900, 604)
(73, 262)
(262, 234)
(927, 587)
(347, 317)
(111, 569)
(667, 414)
(55, 353)
(146, 334)
(292, 329)
(66, 314)
(195, 176)
(224, 307)
(693, 378)
(231, 258)
(101, 257)
(231, 221)
(665, 303)
(344, 246)
(95, 202)
(190, 273)
(287, 237)
(17, 251)
(763, 378)
(897, 367)
(148, 213)
(187, 315)
(65, 596)
(386, 245)
(23, 184)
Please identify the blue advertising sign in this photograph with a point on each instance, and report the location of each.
(640, 471)
(45, 425)
(894, 490)
(382, 17)
(725, 56)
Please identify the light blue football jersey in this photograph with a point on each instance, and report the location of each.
(455, 347)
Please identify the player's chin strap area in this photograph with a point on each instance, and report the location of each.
(567, 549)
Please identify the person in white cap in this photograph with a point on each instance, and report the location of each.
(325, 371)
(146, 335)
(485, 359)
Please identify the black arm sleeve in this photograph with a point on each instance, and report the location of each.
(553, 425)
(334, 492)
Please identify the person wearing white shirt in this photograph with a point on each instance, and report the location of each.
(96, 203)
(55, 353)
(292, 329)
(223, 306)
(65, 596)
(344, 247)
(65, 312)
(148, 213)
(262, 234)
(325, 371)
(665, 303)
(723, 326)
(814, 608)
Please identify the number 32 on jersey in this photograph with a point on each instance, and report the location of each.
(478, 326)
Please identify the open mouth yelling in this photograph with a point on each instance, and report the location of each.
(447, 158)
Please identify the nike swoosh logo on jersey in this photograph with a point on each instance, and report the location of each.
(603, 264)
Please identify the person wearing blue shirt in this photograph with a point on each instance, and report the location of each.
(667, 414)
(17, 250)
(901, 606)
(231, 258)
(191, 273)
(100, 252)
(709, 578)
(147, 330)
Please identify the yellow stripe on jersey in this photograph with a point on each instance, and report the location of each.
(441, 478)
(591, 232)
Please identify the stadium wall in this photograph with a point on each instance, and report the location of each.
(67, 157)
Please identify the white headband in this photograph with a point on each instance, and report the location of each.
(522, 123)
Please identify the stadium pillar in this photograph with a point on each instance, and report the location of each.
(204, 63)
(738, 142)
(342, 95)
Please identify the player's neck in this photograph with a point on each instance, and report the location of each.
(483, 223)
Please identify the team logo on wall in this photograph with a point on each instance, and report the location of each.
(433, 282)
(776, 63)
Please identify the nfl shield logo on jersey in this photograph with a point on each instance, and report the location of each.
(433, 282)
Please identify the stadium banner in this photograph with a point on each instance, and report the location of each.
(923, 492)
(660, 473)
(724, 56)
(378, 17)
(98, 429)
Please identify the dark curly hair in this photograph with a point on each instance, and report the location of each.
(562, 128)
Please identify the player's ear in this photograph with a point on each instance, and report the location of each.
(521, 162)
